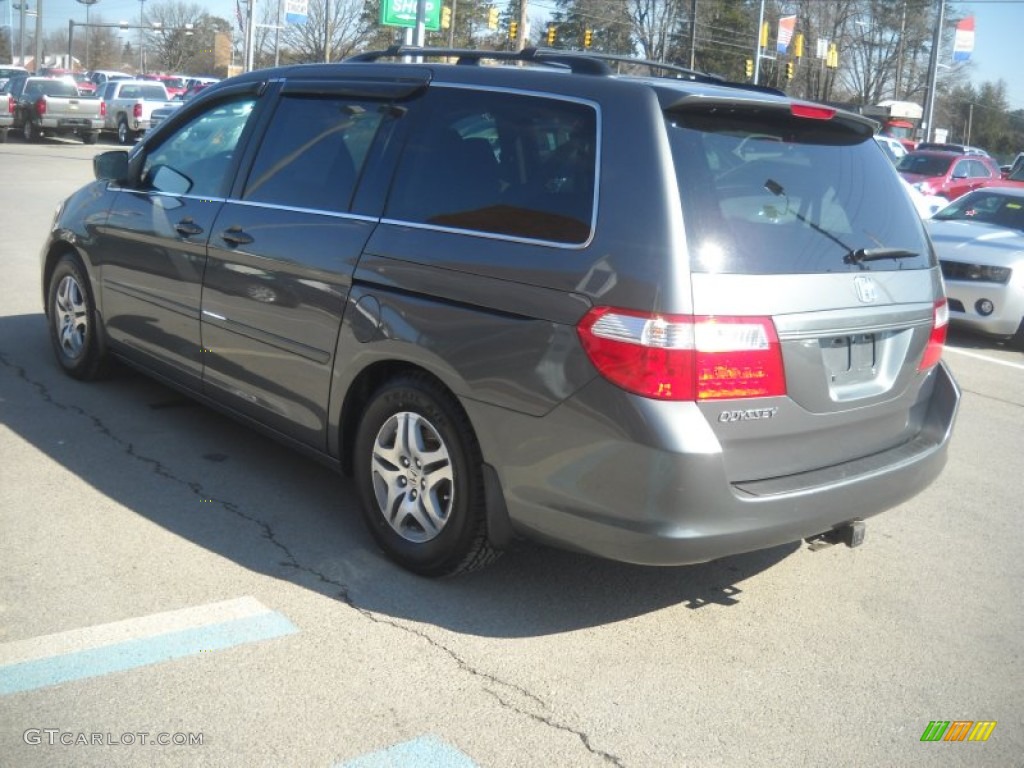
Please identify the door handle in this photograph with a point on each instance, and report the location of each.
(188, 228)
(236, 236)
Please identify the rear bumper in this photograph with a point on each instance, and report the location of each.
(593, 489)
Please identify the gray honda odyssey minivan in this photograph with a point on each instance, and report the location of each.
(660, 319)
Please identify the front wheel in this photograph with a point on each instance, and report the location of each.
(1017, 340)
(72, 318)
(418, 471)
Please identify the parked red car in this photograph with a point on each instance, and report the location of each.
(947, 174)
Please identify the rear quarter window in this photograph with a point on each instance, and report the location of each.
(773, 194)
(500, 163)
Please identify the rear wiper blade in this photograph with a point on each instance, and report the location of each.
(861, 255)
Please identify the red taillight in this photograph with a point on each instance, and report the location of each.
(684, 357)
(137, 111)
(10, 105)
(41, 107)
(103, 109)
(812, 111)
(937, 340)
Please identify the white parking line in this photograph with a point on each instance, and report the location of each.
(996, 360)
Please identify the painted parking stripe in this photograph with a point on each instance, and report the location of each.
(92, 651)
(424, 752)
(976, 356)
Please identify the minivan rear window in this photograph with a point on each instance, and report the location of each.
(771, 193)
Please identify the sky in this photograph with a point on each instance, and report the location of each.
(997, 54)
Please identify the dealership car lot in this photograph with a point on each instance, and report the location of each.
(122, 500)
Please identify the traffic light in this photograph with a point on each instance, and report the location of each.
(832, 61)
(789, 70)
(552, 34)
(798, 44)
(446, 17)
(588, 38)
(750, 68)
(492, 18)
(513, 30)
(763, 40)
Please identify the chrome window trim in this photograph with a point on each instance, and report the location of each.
(298, 209)
(491, 235)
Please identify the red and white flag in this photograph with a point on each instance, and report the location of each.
(786, 26)
(963, 42)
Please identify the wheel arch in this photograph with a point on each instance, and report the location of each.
(500, 530)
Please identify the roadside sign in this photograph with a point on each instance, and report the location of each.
(402, 13)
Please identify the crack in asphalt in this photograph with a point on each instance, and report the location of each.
(583, 737)
(991, 397)
(291, 561)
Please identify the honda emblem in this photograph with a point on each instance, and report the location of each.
(865, 289)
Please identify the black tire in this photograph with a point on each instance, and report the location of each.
(29, 131)
(444, 447)
(3, 135)
(90, 137)
(1017, 340)
(73, 320)
(125, 135)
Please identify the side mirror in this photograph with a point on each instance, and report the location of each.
(110, 166)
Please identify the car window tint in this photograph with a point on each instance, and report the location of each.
(201, 150)
(313, 152)
(785, 195)
(925, 165)
(500, 163)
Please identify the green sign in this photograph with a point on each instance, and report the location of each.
(402, 13)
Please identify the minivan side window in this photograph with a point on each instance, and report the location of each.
(200, 151)
(313, 152)
(500, 163)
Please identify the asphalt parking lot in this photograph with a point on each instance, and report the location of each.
(176, 589)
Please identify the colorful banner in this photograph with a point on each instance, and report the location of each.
(786, 26)
(296, 11)
(963, 42)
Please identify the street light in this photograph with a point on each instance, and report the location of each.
(88, 4)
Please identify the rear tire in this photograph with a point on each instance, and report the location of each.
(3, 135)
(124, 134)
(73, 320)
(418, 471)
(90, 137)
(29, 131)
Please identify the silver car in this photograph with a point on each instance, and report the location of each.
(980, 243)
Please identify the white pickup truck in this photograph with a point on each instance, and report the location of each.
(129, 106)
(44, 106)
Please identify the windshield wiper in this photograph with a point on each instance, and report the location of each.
(860, 255)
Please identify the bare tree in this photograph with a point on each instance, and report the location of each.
(654, 24)
(341, 37)
(183, 33)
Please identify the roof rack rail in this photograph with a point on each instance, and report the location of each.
(576, 63)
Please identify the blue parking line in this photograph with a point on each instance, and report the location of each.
(424, 752)
(41, 673)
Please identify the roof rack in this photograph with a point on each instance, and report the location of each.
(578, 62)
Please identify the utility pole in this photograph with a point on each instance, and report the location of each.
(693, 34)
(39, 34)
(142, 37)
(933, 72)
(524, 30)
(757, 50)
